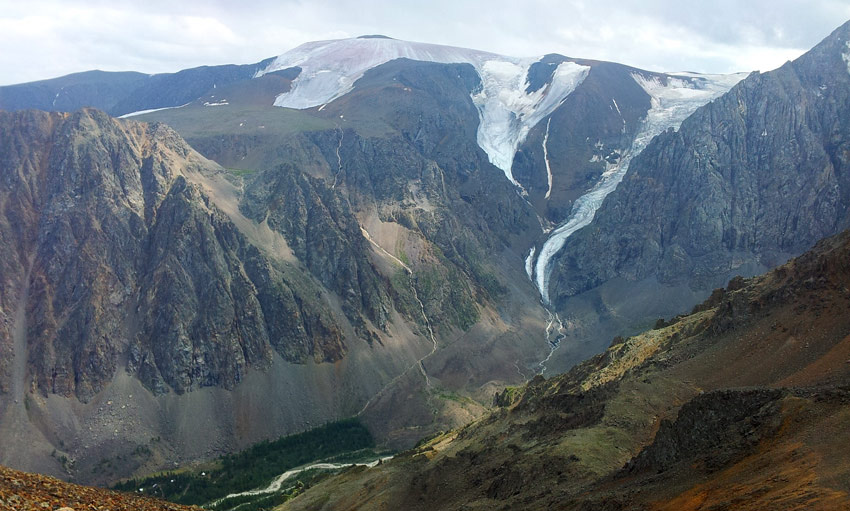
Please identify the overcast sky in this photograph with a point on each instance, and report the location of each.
(48, 38)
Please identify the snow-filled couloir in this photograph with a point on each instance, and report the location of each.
(507, 111)
(673, 98)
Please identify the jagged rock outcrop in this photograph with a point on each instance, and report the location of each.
(122, 254)
(323, 233)
(713, 430)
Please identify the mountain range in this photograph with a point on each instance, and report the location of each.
(385, 229)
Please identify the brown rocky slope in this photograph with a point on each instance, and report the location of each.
(22, 491)
(738, 405)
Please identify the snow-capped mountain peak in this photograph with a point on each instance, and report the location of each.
(506, 108)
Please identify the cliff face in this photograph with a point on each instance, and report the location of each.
(107, 227)
(751, 178)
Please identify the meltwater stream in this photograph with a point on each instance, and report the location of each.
(277, 483)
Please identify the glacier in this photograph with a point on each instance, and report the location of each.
(546, 159)
(506, 111)
(672, 99)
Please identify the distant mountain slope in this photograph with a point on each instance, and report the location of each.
(122, 93)
(739, 404)
(595, 123)
(98, 89)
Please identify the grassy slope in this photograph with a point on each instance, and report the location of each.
(194, 121)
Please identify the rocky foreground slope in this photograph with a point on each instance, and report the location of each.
(22, 491)
(741, 404)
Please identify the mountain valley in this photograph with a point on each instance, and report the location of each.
(393, 233)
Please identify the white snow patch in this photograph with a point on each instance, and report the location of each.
(141, 112)
(671, 103)
(330, 68)
(507, 113)
(546, 158)
(223, 102)
(529, 263)
(846, 56)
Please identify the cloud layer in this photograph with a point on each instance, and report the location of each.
(47, 38)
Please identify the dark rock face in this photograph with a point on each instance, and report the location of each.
(758, 175)
(323, 234)
(540, 73)
(594, 126)
(125, 256)
(712, 430)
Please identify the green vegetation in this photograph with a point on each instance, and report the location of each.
(508, 396)
(197, 121)
(403, 295)
(456, 304)
(454, 396)
(240, 172)
(269, 501)
(402, 256)
(256, 466)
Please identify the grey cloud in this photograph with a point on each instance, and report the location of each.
(46, 38)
